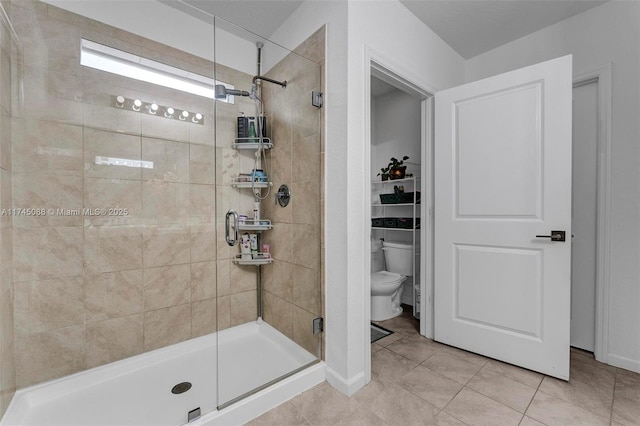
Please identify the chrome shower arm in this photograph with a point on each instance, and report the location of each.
(263, 78)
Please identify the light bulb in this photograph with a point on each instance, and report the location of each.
(196, 118)
(120, 101)
(153, 108)
(137, 104)
(169, 112)
(184, 115)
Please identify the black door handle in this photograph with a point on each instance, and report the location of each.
(555, 236)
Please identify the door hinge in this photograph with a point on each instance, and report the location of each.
(318, 325)
(317, 99)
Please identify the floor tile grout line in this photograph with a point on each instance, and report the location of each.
(448, 414)
(440, 410)
(573, 404)
(588, 365)
(534, 397)
(593, 385)
(613, 400)
(465, 385)
(499, 402)
(439, 350)
(615, 377)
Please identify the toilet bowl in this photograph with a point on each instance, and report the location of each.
(386, 293)
(386, 285)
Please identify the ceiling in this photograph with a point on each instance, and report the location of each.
(470, 27)
(261, 17)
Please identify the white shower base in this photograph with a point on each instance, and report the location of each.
(137, 391)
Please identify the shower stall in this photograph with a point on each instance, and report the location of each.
(123, 301)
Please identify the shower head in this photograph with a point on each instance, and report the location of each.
(222, 92)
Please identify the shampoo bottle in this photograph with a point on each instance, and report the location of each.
(256, 213)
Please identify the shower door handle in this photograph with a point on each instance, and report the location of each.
(227, 231)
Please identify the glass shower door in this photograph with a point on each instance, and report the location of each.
(268, 285)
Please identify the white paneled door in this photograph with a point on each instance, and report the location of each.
(502, 202)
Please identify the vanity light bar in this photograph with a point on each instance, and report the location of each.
(125, 162)
(153, 108)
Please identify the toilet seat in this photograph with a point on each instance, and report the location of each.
(385, 283)
(385, 279)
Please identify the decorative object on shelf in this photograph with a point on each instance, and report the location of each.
(248, 128)
(400, 198)
(395, 223)
(395, 169)
(258, 175)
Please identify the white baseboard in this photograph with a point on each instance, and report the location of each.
(347, 387)
(622, 362)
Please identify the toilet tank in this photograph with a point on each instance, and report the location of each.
(398, 257)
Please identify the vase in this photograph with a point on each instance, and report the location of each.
(397, 173)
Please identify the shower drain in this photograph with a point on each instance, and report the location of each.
(181, 388)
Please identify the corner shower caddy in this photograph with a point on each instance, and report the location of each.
(379, 187)
(249, 224)
(243, 143)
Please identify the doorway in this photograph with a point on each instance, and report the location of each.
(383, 78)
(395, 134)
(591, 211)
(583, 216)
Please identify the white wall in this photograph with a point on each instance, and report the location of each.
(395, 131)
(354, 30)
(607, 33)
(392, 35)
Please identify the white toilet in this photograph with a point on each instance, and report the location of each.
(386, 285)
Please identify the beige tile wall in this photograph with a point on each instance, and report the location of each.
(294, 283)
(92, 290)
(8, 59)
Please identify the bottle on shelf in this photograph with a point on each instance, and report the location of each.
(245, 247)
(256, 212)
(252, 132)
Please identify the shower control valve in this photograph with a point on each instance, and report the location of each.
(283, 196)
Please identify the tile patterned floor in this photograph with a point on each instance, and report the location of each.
(416, 381)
